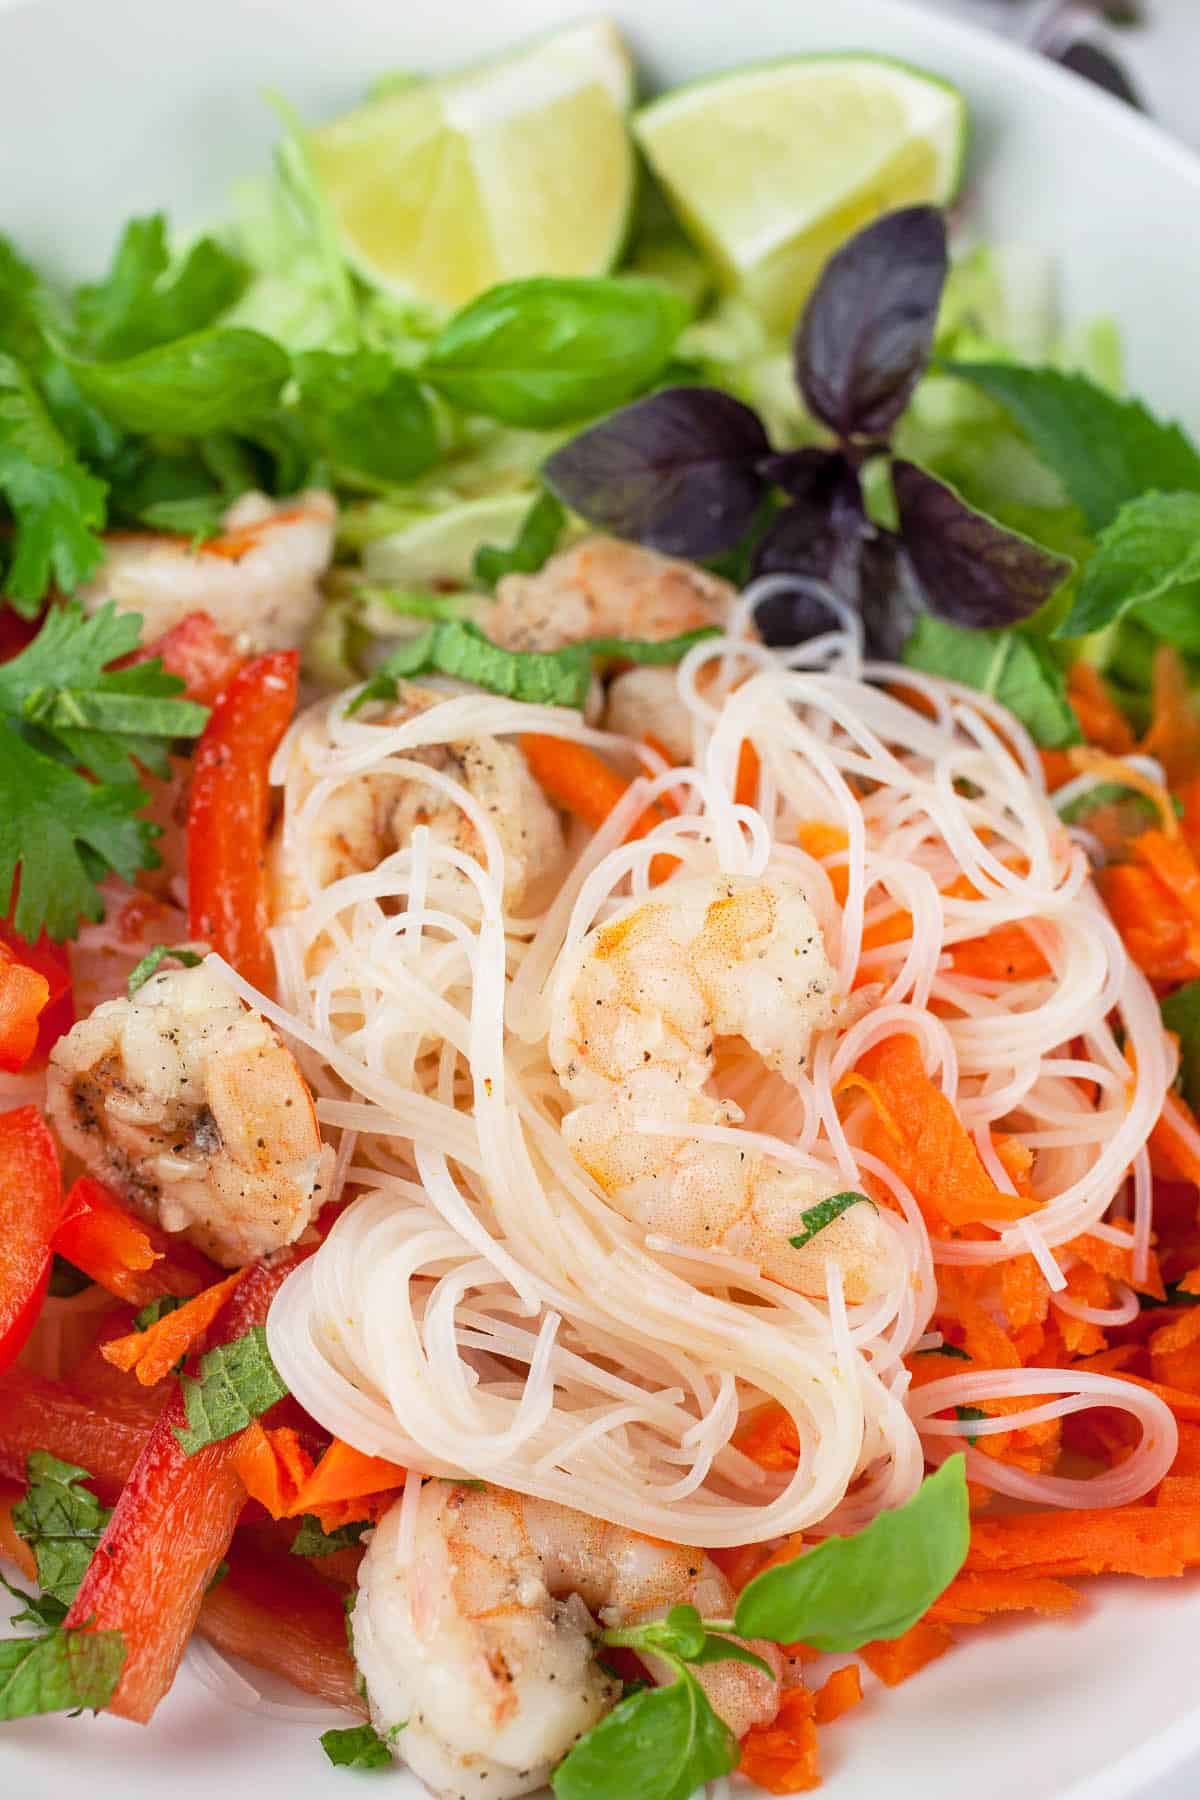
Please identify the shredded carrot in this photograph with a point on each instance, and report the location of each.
(770, 1438)
(582, 783)
(338, 1513)
(1151, 1541)
(153, 1353)
(972, 1598)
(1174, 735)
(1187, 1457)
(782, 1756)
(1086, 761)
(745, 790)
(345, 1473)
(1116, 1260)
(1175, 1352)
(934, 1154)
(1154, 930)
(1175, 1137)
(893, 1660)
(839, 1692)
(820, 840)
(272, 1465)
(1179, 1490)
(1006, 954)
(1170, 858)
(1100, 718)
(1024, 1291)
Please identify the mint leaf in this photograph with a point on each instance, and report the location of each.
(1012, 668)
(1150, 550)
(42, 1610)
(61, 1671)
(157, 954)
(58, 508)
(142, 302)
(817, 1217)
(540, 677)
(951, 1350)
(237, 1382)
(967, 1414)
(849, 1591)
(1105, 451)
(313, 1540)
(661, 1743)
(1181, 1014)
(540, 531)
(357, 1747)
(61, 1521)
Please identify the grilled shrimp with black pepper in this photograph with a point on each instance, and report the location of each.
(191, 1107)
(482, 1639)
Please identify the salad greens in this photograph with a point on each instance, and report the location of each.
(356, 1747)
(661, 1743)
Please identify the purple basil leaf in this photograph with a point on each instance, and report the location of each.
(889, 597)
(804, 473)
(864, 338)
(972, 571)
(677, 470)
(1095, 64)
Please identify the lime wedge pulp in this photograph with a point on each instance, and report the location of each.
(772, 167)
(518, 167)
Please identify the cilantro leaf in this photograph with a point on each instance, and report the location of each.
(540, 531)
(57, 506)
(847, 1591)
(157, 954)
(236, 1383)
(817, 1217)
(357, 1747)
(1104, 450)
(1149, 552)
(20, 306)
(61, 1521)
(313, 1540)
(661, 1743)
(541, 677)
(1181, 1014)
(1010, 666)
(60, 1671)
(142, 302)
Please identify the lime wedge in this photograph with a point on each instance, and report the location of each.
(771, 168)
(520, 167)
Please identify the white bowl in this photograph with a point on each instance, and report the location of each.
(111, 107)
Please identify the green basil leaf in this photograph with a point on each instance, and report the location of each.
(817, 1217)
(62, 1671)
(1017, 670)
(368, 419)
(357, 1747)
(1148, 554)
(540, 531)
(61, 1521)
(237, 1382)
(1181, 1014)
(849, 1591)
(551, 350)
(1105, 451)
(719, 1648)
(660, 1744)
(215, 380)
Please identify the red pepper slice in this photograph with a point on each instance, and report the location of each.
(229, 812)
(52, 962)
(23, 997)
(170, 1529)
(133, 1259)
(30, 1208)
(38, 1414)
(201, 654)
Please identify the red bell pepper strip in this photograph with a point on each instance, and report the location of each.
(30, 1207)
(279, 1614)
(37, 1414)
(199, 653)
(170, 1529)
(228, 813)
(23, 997)
(133, 1259)
(52, 962)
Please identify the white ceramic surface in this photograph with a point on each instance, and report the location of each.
(109, 107)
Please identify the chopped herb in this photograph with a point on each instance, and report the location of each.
(219, 1574)
(1181, 1014)
(953, 1350)
(66, 1280)
(357, 1747)
(969, 1414)
(237, 1382)
(42, 1610)
(540, 531)
(152, 961)
(816, 1218)
(61, 1521)
(156, 1310)
(313, 1540)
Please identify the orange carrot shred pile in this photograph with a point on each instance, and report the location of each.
(273, 1466)
(893, 1660)
(782, 1756)
(346, 1475)
(153, 1353)
(840, 1691)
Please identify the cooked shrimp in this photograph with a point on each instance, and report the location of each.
(646, 703)
(604, 587)
(484, 1640)
(638, 1011)
(374, 813)
(188, 1104)
(260, 580)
